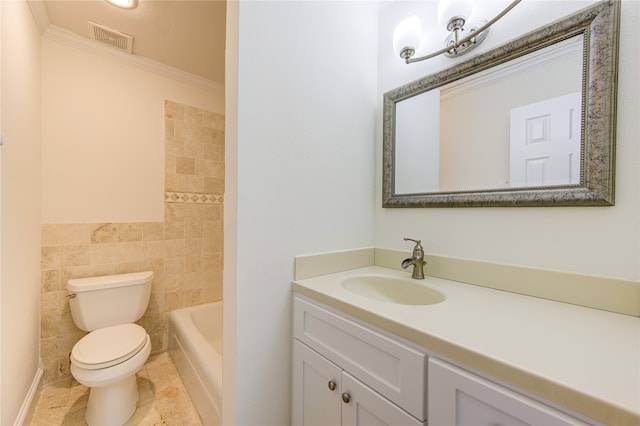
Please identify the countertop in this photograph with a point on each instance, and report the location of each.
(584, 359)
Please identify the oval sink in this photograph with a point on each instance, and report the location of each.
(393, 290)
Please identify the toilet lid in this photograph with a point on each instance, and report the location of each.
(109, 346)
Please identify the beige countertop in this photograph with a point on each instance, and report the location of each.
(584, 359)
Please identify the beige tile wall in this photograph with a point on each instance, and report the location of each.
(185, 251)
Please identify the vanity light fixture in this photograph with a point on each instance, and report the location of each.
(453, 15)
(125, 4)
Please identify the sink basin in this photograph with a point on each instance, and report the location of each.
(393, 290)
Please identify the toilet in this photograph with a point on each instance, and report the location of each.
(107, 358)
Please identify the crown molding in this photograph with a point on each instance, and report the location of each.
(40, 15)
(52, 32)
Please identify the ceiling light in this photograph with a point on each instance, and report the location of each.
(125, 4)
(453, 15)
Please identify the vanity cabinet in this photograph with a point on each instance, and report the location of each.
(349, 374)
(458, 397)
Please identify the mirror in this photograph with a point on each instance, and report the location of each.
(497, 130)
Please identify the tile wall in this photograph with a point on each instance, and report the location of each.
(184, 251)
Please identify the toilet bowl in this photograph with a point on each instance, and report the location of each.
(106, 360)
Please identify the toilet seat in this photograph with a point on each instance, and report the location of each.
(109, 346)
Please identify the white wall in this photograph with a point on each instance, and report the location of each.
(590, 240)
(305, 148)
(20, 190)
(103, 136)
(230, 273)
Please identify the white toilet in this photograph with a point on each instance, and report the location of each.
(107, 359)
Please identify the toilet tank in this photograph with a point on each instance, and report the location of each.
(99, 302)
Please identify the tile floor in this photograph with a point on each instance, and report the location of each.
(163, 399)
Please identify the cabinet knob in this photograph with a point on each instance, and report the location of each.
(332, 385)
(346, 398)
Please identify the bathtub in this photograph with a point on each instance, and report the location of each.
(195, 345)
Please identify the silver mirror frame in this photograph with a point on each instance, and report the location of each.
(599, 24)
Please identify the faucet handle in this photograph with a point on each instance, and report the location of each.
(418, 242)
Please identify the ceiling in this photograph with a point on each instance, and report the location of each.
(183, 34)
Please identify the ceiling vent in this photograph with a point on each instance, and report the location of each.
(111, 37)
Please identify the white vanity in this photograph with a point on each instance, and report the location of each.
(481, 356)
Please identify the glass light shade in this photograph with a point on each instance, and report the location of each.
(125, 4)
(448, 9)
(407, 34)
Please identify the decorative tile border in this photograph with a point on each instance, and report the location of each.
(190, 198)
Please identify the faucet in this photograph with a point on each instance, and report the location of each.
(417, 260)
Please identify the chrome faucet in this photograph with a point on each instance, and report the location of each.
(417, 260)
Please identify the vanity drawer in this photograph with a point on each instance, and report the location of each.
(395, 369)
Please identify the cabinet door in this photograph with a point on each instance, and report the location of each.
(314, 402)
(457, 397)
(362, 406)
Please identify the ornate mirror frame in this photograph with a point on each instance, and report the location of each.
(599, 24)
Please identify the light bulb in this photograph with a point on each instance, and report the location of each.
(125, 4)
(407, 34)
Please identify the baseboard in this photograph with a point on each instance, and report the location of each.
(31, 400)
